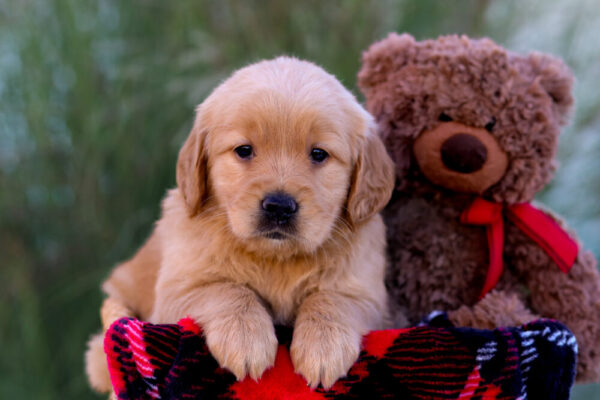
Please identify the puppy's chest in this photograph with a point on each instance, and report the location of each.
(283, 287)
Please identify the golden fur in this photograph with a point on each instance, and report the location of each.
(206, 258)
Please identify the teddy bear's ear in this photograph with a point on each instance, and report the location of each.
(557, 80)
(384, 56)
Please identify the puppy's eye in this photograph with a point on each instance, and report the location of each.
(244, 152)
(318, 155)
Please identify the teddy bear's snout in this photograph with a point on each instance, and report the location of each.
(460, 157)
(463, 153)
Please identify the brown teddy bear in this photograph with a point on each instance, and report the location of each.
(473, 130)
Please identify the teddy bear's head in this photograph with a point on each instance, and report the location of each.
(467, 115)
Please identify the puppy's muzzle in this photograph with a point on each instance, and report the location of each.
(279, 211)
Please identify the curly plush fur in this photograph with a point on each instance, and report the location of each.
(437, 262)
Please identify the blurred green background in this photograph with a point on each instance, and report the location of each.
(97, 96)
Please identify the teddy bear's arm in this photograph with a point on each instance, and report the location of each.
(572, 298)
(498, 308)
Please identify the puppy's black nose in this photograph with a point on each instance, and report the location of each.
(279, 207)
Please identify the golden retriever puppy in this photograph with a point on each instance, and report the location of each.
(274, 220)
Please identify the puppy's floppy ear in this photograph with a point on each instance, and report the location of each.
(372, 180)
(191, 169)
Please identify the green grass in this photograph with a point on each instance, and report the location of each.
(96, 98)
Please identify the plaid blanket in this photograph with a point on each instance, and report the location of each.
(534, 361)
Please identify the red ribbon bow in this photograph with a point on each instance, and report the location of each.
(535, 223)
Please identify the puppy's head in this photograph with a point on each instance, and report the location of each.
(286, 154)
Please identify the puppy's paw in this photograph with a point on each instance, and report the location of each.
(244, 345)
(323, 353)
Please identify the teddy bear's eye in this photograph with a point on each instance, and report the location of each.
(444, 117)
(490, 125)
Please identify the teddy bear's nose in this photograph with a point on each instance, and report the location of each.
(463, 153)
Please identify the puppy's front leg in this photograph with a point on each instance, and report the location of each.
(238, 329)
(328, 334)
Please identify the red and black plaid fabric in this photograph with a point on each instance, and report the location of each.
(535, 361)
